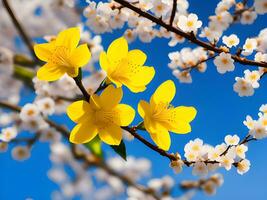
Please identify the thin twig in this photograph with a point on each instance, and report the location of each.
(174, 7)
(20, 29)
(198, 63)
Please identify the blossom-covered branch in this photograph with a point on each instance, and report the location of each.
(191, 37)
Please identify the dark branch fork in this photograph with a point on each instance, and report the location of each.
(189, 36)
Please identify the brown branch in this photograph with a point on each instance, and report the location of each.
(133, 132)
(20, 29)
(188, 36)
(174, 7)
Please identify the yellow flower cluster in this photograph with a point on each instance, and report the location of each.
(103, 114)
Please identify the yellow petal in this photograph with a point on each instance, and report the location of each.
(50, 72)
(151, 125)
(184, 113)
(164, 93)
(135, 89)
(79, 110)
(103, 61)
(162, 139)
(111, 97)
(95, 102)
(125, 114)
(137, 57)
(181, 128)
(138, 80)
(111, 134)
(83, 133)
(180, 118)
(80, 56)
(143, 108)
(117, 50)
(69, 38)
(44, 51)
(105, 64)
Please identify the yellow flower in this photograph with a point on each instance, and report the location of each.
(62, 55)
(160, 117)
(103, 115)
(125, 67)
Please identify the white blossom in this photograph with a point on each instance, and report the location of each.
(263, 108)
(183, 76)
(189, 23)
(7, 134)
(200, 169)
(231, 40)
(243, 166)
(243, 87)
(29, 112)
(241, 150)
(248, 17)
(177, 166)
(260, 6)
(226, 162)
(249, 46)
(252, 77)
(260, 57)
(249, 122)
(224, 63)
(258, 131)
(160, 8)
(232, 139)
(21, 153)
(46, 105)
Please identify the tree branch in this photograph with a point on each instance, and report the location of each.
(20, 29)
(190, 37)
(174, 7)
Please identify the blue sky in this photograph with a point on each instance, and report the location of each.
(220, 112)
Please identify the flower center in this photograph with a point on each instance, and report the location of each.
(104, 118)
(61, 56)
(225, 61)
(190, 23)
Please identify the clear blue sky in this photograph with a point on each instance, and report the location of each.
(220, 112)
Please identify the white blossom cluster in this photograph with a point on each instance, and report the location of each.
(205, 158)
(258, 128)
(107, 16)
(246, 85)
(69, 186)
(135, 169)
(184, 61)
(232, 152)
(83, 183)
(223, 18)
